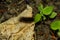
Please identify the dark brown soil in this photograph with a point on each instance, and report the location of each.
(42, 29)
(10, 9)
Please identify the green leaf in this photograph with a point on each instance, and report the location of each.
(37, 18)
(44, 18)
(53, 15)
(58, 33)
(47, 10)
(55, 25)
(40, 7)
(41, 14)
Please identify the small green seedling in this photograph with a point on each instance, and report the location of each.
(55, 25)
(48, 10)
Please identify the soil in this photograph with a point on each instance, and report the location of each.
(42, 29)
